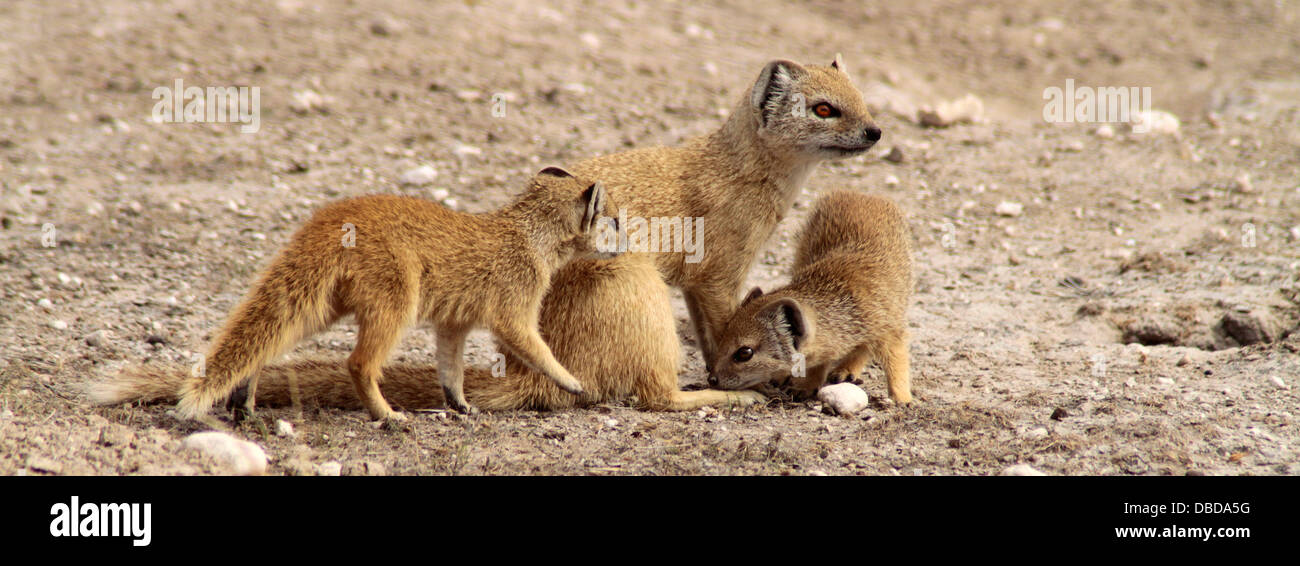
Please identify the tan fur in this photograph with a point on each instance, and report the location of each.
(845, 306)
(640, 314)
(610, 322)
(742, 179)
(409, 260)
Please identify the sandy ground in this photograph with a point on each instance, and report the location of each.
(1136, 315)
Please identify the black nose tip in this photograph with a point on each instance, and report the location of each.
(713, 381)
(872, 133)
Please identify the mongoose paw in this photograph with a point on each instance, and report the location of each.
(843, 377)
(748, 397)
(572, 386)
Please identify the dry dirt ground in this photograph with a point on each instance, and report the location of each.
(1098, 331)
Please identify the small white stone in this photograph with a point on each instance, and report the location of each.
(421, 175)
(439, 194)
(64, 279)
(331, 468)
(1155, 122)
(843, 398)
(1021, 470)
(58, 324)
(239, 457)
(45, 304)
(450, 203)
(891, 181)
(284, 428)
(1277, 381)
(611, 423)
(1105, 131)
(462, 150)
(1009, 208)
(1164, 381)
(591, 40)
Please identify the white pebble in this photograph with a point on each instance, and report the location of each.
(463, 150)
(439, 194)
(58, 325)
(891, 181)
(843, 398)
(284, 428)
(1008, 208)
(1105, 132)
(1021, 470)
(331, 468)
(45, 304)
(611, 423)
(1279, 383)
(421, 175)
(239, 457)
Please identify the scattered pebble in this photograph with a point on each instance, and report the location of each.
(239, 457)
(843, 398)
(42, 464)
(305, 101)
(45, 304)
(462, 150)
(419, 176)
(1008, 208)
(967, 109)
(1105, 131)
(284, 428)
(1155, 122)
(891, 181)
(331, 468)
(58, 324)
(895, 155)
(1277, 381)
(1021, 470)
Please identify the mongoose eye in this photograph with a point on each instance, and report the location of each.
(743, 354)
(825, 110)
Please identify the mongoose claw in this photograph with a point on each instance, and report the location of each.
(836, 377)
(749, 397)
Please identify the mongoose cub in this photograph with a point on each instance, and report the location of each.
(846, 304)
(740, 179)
(393, 261)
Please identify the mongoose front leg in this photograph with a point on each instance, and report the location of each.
(850, 369)
(709, 310)
(691, 400)
(451, 368)
(527, 344)
(897, 366)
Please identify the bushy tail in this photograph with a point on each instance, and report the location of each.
(325, 383)
(290, 301)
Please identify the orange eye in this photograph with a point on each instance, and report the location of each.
(824, 110)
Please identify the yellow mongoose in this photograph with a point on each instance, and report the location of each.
(846, 304)
(741, 179)
(610, 322)
(392, 261)
(629, 300)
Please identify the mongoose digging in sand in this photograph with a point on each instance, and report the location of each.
(845, 306)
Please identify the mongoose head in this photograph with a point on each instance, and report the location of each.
(586, 217)
(811, 112)
(762, 343)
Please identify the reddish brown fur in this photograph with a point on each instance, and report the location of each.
(845, 306)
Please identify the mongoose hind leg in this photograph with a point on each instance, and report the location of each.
(451, 369)
(374, 341)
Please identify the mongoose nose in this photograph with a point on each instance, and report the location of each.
(713, 381)
(872, 133)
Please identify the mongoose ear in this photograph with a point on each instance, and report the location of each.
(838, 63)
(592, 204)
(555, 172)
(773, 85)
(787, 319)
(754, 293)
